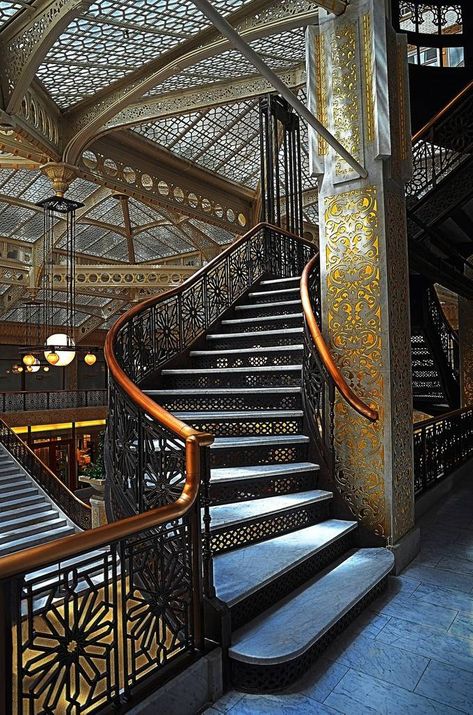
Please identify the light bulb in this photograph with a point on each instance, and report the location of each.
(52, 358)
(29, 359)
(90, 359)
(46, 368)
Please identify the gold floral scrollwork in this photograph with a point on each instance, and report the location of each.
(345, 93)
(368, 70)
(354, 327)
(321, 89)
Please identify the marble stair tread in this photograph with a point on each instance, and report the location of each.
(277, 291)
(289, 628)
(240, 573)
(250, 351)
(263, 441)
(259, 306)
(255, 334)
(262, 319)
(229, 514)
(224, 391)
(213, 370)
(229, 474)
(276, 281)
(35, 539)
(238, 415)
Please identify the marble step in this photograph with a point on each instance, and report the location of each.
(264, 376)
(264, 450)
(225, 398)
(248, 357)
(12, 532)
(234, 484)
(241, 573)
(245, 422)
(245, 522)
(237, 474)
(299, 626)
(263, 319)
(268, 308)
(26, 517)
(255, 338)
(27, 542)
(278, 281)
(276, 293)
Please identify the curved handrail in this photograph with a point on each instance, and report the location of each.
(77, 510)
(322, 348)
(442, 112)
(133, 391)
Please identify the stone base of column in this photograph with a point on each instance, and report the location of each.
(405, 550)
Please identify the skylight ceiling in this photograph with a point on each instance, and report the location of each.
(113, 38)
(9, 10)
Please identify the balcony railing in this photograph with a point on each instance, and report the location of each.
(25, 401)
(441, 445)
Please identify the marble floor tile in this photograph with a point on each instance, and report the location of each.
(428, 642)
(227, 701)
(359, 694)
(320, 680)
(410, 609)
(463, 625)
(373, 657)
(280, 704)
(450, 598)
(447, 685)
(441, 577)
(453, 563)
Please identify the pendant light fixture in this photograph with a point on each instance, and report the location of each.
(60, 346)
(90, 358)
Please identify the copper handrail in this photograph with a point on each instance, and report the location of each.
(443, 416)
(442, 112)
(344, 389)
(61, 486)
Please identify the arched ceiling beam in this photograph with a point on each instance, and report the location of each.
(88, 119)
(25, 42)
(199, 98)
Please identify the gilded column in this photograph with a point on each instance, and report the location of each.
(357, 86)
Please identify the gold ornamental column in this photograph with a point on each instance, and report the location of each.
(357, 70)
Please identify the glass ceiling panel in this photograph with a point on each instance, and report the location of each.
(113, 38)
(9, 9)
(59, 316)
(219, 235)
(280, 52)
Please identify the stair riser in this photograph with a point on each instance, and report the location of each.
(247, 609)
(249, 427)
(18, 505)
(260, 678)
(247, 401)
(271, 454)
(254, 341)
(256, 359)
(243, 490)
(259, 298)
(284, 283)
(26, 520)
(39, 528)
(262, 325)
(239, 379)
(269, 526)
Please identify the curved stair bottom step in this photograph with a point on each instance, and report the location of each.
(272, 651)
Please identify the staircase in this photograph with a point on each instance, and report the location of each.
(287, 573)
(28, 517)
(435, 353)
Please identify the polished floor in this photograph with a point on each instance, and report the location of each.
(411, 653)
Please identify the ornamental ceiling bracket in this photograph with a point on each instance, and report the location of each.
(26, 41)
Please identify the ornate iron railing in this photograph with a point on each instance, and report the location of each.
(52, 400)
(86, 620)
(447, 337)
(321, 376)
(72, 506)
(441, 445)
(442, 145)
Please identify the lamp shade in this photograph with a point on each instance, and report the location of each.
(67, 355)
(29, 359)
(90, 359)
(52, 358)
(35, 367)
